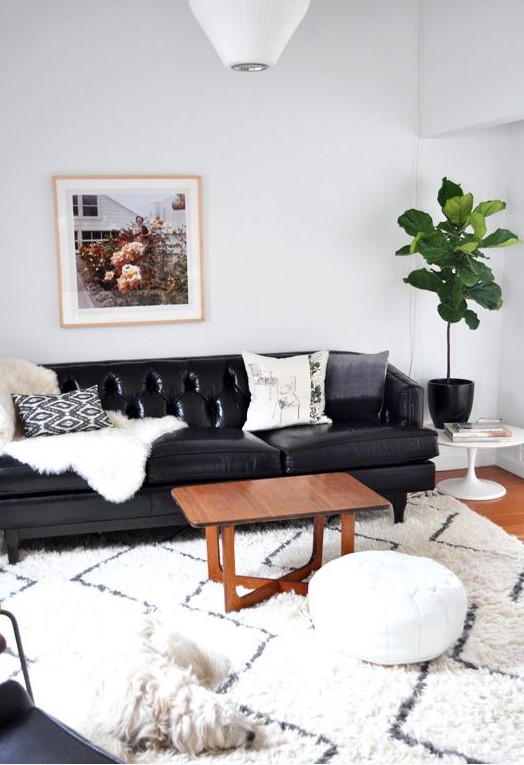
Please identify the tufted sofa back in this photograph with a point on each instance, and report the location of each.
(211, 391)
(208, 391)
(204, 391)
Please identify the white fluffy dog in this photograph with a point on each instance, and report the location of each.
(161, 697)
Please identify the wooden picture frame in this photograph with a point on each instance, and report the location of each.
(129, 249)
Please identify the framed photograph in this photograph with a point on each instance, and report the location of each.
(129, 249)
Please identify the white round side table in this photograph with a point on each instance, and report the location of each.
(471, 487)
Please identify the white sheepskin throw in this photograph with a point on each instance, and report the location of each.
(111, 460)
(20, 376)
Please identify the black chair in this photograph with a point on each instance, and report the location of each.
(30, 735)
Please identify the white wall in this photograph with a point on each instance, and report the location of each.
(472, 64)
(511, 379)
(305, 169)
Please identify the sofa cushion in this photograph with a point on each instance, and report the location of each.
(51, 415)
(355, 385)
(17, 478)
(343, 446)
(286, 391)
(280, 391)
(210, 454)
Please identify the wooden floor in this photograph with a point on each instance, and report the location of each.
(508, 511)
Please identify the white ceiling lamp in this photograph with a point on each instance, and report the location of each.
(249, 35)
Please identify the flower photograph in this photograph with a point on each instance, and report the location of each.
(129, 249)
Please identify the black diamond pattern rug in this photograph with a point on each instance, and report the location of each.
(80, 601)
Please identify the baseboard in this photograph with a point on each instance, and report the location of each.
(457, 459)
(513, 463)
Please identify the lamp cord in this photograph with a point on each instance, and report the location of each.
(415, 193)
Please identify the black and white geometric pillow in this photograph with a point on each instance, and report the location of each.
(53, 415)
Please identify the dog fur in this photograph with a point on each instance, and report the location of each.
(162, 698)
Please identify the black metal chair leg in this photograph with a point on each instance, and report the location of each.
(21, 654)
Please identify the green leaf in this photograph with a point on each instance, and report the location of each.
(414, 244)
(500, 238)
(449, 228)
(467, 248)
(406, 250)
(435, 249)
(490, 208)
(452, 314)
(457, 293)
(479, 254)
(471, 319)
(413, 221)
(457, 209)
(467, 274)
(445, 292)
(483, 272)
(424, 279)
(478, 221)
(447, 191)
(487, 294)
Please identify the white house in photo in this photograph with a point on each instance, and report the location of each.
(96, 215)
(171, 209)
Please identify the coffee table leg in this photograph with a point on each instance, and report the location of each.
(225, 572)
(231, 600)
(347, 537)
(214, 569)
(318, 543)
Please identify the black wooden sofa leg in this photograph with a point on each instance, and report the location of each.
(12, 543)
(399, 504)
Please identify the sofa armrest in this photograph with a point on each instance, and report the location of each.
(403, 400)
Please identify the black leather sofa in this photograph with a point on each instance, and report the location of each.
(211, 393)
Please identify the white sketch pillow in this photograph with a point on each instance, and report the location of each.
(285, 392)
(74, 412)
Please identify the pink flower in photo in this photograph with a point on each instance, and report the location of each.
(128, 253)
(117, 258)
(131, 278)
(133, 250)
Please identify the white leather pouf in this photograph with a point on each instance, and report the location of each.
(387, 607)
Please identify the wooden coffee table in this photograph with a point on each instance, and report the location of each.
(220, 507)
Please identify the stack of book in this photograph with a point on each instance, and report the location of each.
(464, 432)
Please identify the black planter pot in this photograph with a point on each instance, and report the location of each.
(450, 401)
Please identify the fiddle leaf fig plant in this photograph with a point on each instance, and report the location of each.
(458, 272)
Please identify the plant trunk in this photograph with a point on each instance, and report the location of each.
(448, 337)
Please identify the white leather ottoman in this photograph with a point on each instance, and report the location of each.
(387, 607)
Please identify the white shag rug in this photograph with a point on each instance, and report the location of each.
(78, 605)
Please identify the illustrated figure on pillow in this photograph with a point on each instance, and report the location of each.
(287, 400)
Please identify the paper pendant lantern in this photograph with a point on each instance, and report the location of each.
(249, 35)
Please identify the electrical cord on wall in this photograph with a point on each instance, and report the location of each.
(412, 290)
(414, 197)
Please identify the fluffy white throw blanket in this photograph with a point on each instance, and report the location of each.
(111, 460)
(20, 376)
